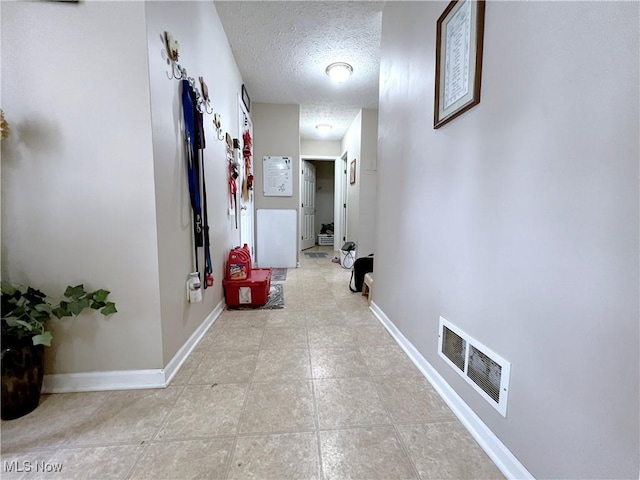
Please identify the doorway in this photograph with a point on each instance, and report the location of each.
(323, 206)
(308, 208)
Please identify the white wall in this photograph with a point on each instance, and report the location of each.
(368, 178)
(77, 186)
(204, 51)
(360, 144)
(521, 219)
(277, 133)
(327, 148)
(351, 143)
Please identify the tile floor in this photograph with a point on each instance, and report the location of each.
(318, 390)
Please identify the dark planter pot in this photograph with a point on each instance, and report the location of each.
(22, 373)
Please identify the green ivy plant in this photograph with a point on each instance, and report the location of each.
(26, 312)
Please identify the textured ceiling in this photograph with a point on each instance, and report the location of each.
(283, 48)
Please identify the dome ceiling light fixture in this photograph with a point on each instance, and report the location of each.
(339, 71)
(323, 128)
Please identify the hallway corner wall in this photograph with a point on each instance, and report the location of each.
(277, 133)
(361, 144)
(521, 217)
(77, 175)
(204, 51)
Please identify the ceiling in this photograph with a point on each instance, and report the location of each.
(283, 48)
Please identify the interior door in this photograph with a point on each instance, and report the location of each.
(245, 195)
(308, 210)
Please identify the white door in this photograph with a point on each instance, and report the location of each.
(245, 195)
(308, 210)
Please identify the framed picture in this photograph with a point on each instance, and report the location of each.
(245, 98)
(352, 172)
(460, 32)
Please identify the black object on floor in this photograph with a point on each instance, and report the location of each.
(316, 254)
(276, 300)
(279, 274)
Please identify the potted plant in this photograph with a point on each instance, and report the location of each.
(26, 313)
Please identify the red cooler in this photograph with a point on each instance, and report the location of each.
(252, 292)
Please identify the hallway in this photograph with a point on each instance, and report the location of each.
(318, 389)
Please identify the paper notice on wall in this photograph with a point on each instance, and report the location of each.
(277, 176)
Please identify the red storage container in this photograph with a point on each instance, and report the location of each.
(252, 292)
(239, 263)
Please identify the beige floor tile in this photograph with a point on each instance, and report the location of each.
(281, 456)
(412, 399)
(286, 318)
(281, 338)
(347, 402)
(186, 459)
(225, 366)
(50, 424)
(324, 316)
(446, 450)
(238, 339)
(126, 416)
(243, 319)
(371, 453)
(372, 335)
(330, 336)
(320, 301)
(356, 317)
(337, 362)
(207, 338)
(276, 407)
(205, 410)
(94, 463)
(189, 366)
(282, 365)
(387, 360)
(356, 301)
(18, 466)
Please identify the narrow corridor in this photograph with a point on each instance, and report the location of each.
(318, 389)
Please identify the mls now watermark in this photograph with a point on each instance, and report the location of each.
(27, 467)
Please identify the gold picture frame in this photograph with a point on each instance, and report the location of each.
(459, 42)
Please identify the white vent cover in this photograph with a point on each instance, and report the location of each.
(485, 371)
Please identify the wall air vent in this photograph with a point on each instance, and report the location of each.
(454, 348)
(485, 371)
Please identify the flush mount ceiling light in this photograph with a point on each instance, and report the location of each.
(339, 71)
(323, 128)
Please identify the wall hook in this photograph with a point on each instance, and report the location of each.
(217, 122)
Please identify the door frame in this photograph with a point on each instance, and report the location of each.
(337, 195)
(341, 203)
(304, 195)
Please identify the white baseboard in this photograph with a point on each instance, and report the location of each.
(96, 381)
(181, 355)
(130, 379)
(508, 464)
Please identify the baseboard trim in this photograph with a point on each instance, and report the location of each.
(508, 464)
(182, 355)
(97, 381)
(130, 379)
